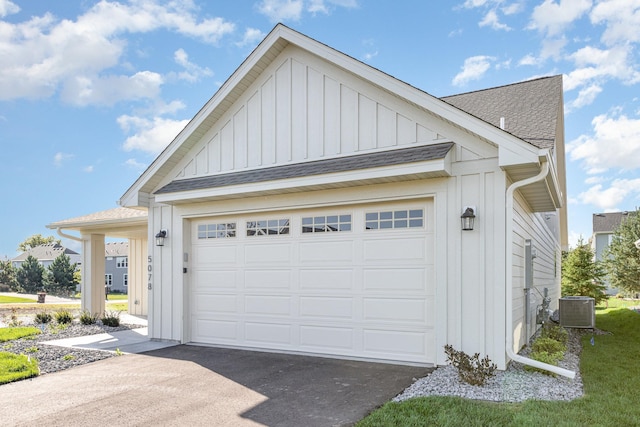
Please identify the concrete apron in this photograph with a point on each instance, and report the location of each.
(191, 385)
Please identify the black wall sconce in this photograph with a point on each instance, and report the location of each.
(162, 234)
(468, 218)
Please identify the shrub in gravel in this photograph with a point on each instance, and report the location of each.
(471, 369)
(547, 345)
(86, 318)
(63, 316)
(555, 332)
(111, 318)
(43, 317)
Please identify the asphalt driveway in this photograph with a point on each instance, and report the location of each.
(191, 385)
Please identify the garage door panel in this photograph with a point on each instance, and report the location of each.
(326, 251)
(326, 279)
(268, 254)
(318, 338)
(267, 305)
(326, 307)
(273, 333)
(220, 331)
(395, 279)
(216, 303)
(395, 309)
(214, 279)
(267, 279)
(393, 343)
(394, 249)
(207, 256)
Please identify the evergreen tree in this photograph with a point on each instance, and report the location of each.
(622, 257)
(30, 275)
(8, 275)
(60, 277)
(581, 275)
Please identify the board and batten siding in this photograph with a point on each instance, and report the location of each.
(546, 266)
(303, 108)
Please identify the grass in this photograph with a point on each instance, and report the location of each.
(609, 374)
(118, 297)
(4, 299)
(14, 367)
(10, 334)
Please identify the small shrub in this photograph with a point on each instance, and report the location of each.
(555, 332)
(545, 357)
(54, 329)
(86, 318)
(547, 345)
(14, 320)
(68, 357)
(471, 369)
(33, 349)
(43, 317)
(63, 317)
(111, 318)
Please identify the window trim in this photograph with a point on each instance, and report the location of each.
(324, 226)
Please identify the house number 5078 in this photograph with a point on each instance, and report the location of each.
(149, 270)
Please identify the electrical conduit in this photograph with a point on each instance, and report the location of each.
(509, 279)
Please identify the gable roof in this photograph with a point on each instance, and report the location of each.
(534, 120)
(514, 151)
(47, 252)
(608, 222)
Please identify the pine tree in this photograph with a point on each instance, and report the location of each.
(622, 257)
(581, 275)
(8, 275)
(30, 275)
(60, 276)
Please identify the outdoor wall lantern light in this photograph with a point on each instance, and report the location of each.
(160, 237)
(467, 218)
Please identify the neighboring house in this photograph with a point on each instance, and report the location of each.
(604, 225)
(314, 206)
(116, 273)
(46, 254)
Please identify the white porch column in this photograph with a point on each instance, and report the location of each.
(93, 296)
(137, 288)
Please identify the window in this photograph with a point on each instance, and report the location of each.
(272, 227)
(412, 218)
(108, 280)
(217, 231)
(122, 262)
(125, 279)
(329, 223)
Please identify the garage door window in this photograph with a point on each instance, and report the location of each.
(217, 231)
(329, 223)
(409, 218)
(272, 227)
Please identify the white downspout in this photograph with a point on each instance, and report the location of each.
(68, 236)
(509, 279)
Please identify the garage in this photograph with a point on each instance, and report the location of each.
(345, 281)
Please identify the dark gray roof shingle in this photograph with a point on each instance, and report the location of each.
(530, 108)
(608, 222)
(317, 167)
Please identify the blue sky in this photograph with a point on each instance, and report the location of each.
(91, 92)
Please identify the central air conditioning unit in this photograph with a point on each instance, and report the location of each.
(577, 312)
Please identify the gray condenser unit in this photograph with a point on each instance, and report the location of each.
(577, 312)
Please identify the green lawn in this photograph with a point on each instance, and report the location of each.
(9, 334)
(116, 297)
(13, 300)
(14, 367)
(610, 376)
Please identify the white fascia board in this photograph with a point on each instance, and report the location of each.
(440, 167)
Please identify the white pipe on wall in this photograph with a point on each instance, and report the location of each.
(509, 278)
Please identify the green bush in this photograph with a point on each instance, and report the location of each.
(547, 345)
(63, 316)
(471, 369)
(111, 318)
(555, 332)
(86, 318)
(43, 317)
(545, 357)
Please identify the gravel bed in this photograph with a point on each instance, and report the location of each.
(53, 358)
(515, 384)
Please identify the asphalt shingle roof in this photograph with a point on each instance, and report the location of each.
(46, 252)
(608, 222)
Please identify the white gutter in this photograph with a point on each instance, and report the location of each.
(68, 236)
(509, 279)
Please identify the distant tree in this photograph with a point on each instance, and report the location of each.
(622, 257)
(581, 275)
(8, 275)
(60, 276)
(30, 275)
(36, 240)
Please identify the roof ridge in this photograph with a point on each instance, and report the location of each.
(502, 86)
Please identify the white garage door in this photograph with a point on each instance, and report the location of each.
(342, 281)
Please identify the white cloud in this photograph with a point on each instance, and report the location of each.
(44, 54)
(281, 10)
(528, 59)
(323, 6)
(613, 144)
(586, 96)
(622, 20)
(150, 135)
(192, 72)
(473, 69)
(611, 198)
(135, 165)
(88, 169)
(8, 8)
(491, 20)
(59, 158)
(552, 18)
(83, 90)
(251, 37)
(597, 64)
